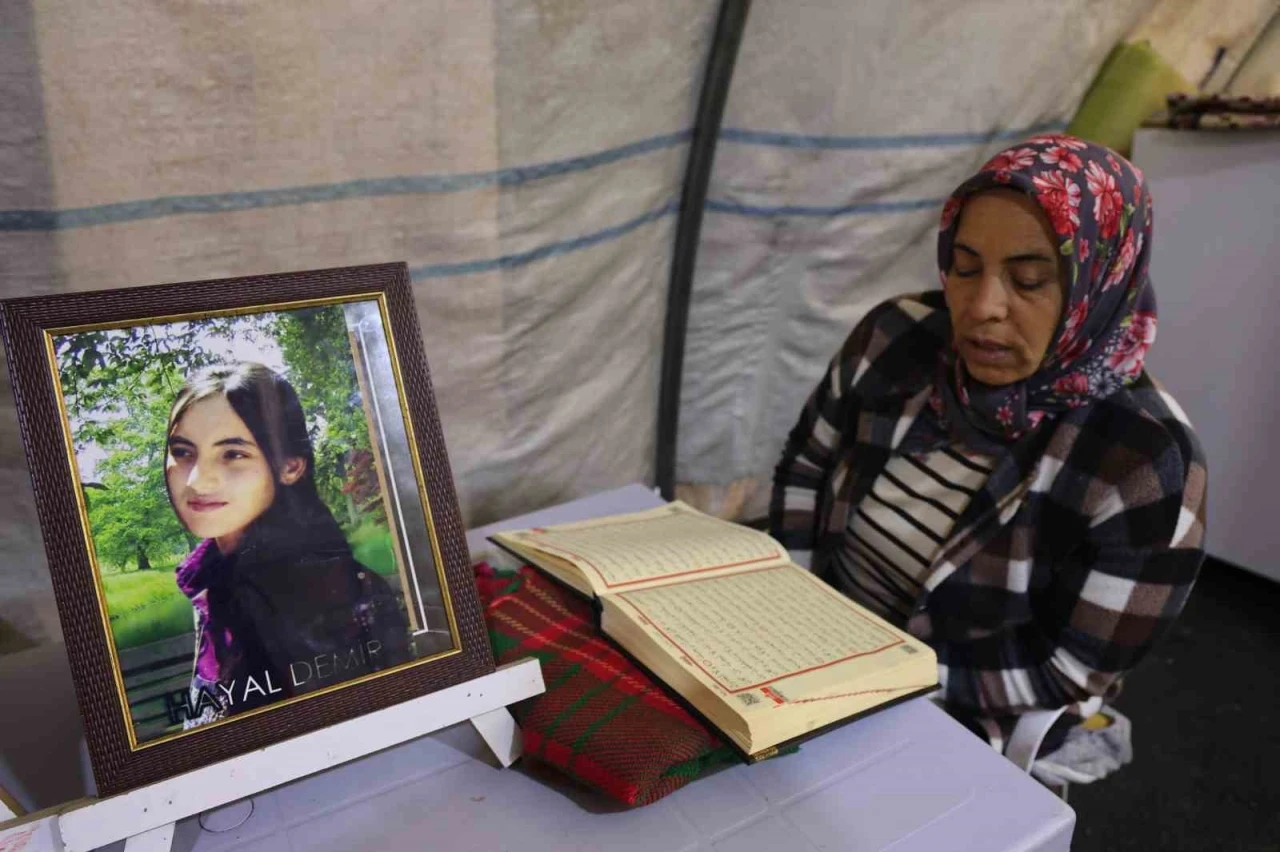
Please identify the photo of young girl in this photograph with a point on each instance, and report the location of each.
(273, 582)
(251, 495)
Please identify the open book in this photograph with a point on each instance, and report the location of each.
(757, 646)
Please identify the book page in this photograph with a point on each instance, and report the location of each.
(755, 628)
(667, 543)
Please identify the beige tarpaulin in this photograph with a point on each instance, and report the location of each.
(526, 160)
(846, 127)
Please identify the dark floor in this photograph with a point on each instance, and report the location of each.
(1205, 708)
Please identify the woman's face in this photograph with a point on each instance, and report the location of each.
(1003, 289)
(219, 479)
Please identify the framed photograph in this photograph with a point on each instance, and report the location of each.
(247, 508)
(9, 807)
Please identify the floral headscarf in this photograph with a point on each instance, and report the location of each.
(1100, 210)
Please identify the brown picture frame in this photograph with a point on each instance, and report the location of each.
(119, 762)
(10, 802)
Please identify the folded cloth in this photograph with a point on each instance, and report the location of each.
(1218, 112)
(602, 720)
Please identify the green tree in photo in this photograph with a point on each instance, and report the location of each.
(317, 350)
(106, 374)
(129, 511)
(118, 386)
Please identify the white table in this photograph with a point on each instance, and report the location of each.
(908, 778)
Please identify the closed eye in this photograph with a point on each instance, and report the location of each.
(1035, 272)
(971, 260)
(1030, 285)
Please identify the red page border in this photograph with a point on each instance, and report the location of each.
(724, 686)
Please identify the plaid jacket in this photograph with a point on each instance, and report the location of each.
(1063, 571)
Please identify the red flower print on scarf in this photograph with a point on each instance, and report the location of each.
(1131, 350)
(1062, 157)
(1007, 162)
(1075, 319)
(1034, 418)
(1060, 198)
(1075, 384)
(1068, 352)
(1114, 163)
(1107, 200)
(1010, 161)
(1069, 347)
(1005, 415)
(1059, 139)
(1129, 249)
(949, 211)
(1099, 261)
(1084, 249)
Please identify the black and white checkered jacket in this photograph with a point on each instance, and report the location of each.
(1064, 570)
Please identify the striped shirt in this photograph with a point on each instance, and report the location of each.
(893, 536)
(1119, 484)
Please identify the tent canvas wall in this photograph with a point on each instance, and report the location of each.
(526, 159)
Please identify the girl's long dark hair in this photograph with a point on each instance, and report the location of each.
(298, 523)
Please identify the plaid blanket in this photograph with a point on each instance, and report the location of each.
(602, 721)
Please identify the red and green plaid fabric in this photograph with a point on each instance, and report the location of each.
(602, 720)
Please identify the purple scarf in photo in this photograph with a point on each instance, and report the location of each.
(218, 645)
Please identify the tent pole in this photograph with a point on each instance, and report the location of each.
(706, 129)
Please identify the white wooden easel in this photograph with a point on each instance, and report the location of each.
(145, 817)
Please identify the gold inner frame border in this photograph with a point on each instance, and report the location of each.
(82, 510)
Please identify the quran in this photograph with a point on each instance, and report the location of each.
(763, 651)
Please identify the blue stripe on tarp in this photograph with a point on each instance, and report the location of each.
(176, 205)
(735, 208)
(918, 140)
(443, 270)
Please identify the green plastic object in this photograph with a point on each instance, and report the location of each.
(1131, 85)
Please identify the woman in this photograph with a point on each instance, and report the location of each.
(282, 607)
(991, 467)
